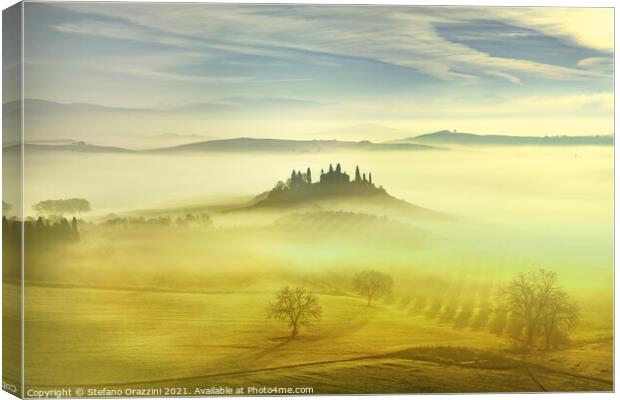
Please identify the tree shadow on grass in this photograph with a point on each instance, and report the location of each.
(280, 342)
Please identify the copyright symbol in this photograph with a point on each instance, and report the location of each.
(79, 392)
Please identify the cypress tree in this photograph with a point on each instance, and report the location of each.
(39, 233)
(75, 233)
(309, 175)
(63, 231)
(358, 177)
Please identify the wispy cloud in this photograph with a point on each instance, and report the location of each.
(405, 37)
(588, 27)
(292, 67)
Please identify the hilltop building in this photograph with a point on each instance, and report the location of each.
(334, 176)
(331, 184)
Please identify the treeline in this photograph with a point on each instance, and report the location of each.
(188, 220)
(41, 230)
(531, 309)
(38, 234)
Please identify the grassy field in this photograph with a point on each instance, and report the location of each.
(145, 304)
(95, 338)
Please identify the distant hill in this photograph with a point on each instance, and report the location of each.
(366, 131)
(239, 145)
(283, 145)
(333, 194)
(470, 139)
(38, 106)
(78, 147)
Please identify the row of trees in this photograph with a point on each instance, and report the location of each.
(539, 312)
(531, 309)
(461, 315)
(298, 179)
(42, 230)
(51, 231)
(188, 220)
(362, 178)
(332, 176)
(38, 235)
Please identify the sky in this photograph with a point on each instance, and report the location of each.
(303, 71)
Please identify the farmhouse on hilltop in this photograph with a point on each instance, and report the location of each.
(332, 176)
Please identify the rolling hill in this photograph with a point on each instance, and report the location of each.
(283, 145)
(78, 147)
(237, 145)
(357, 197)
(470, 139)
(358, 132)
(441, 140)
(334, 192)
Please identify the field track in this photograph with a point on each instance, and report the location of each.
(528, 368)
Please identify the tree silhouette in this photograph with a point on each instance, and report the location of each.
(358, 177)
(41, 227)
(559, 317)
(293, 179)
(297, 306)
(373, 284)
(75, 233)
(309, 176)
(280, 186)
(498, 323)
(63, 230)
(47, 232)
(538, 307)
(62, 207)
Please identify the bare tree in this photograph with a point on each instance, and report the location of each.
(373, 284)
(559, 318)
(297, 306)
(537, 306)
